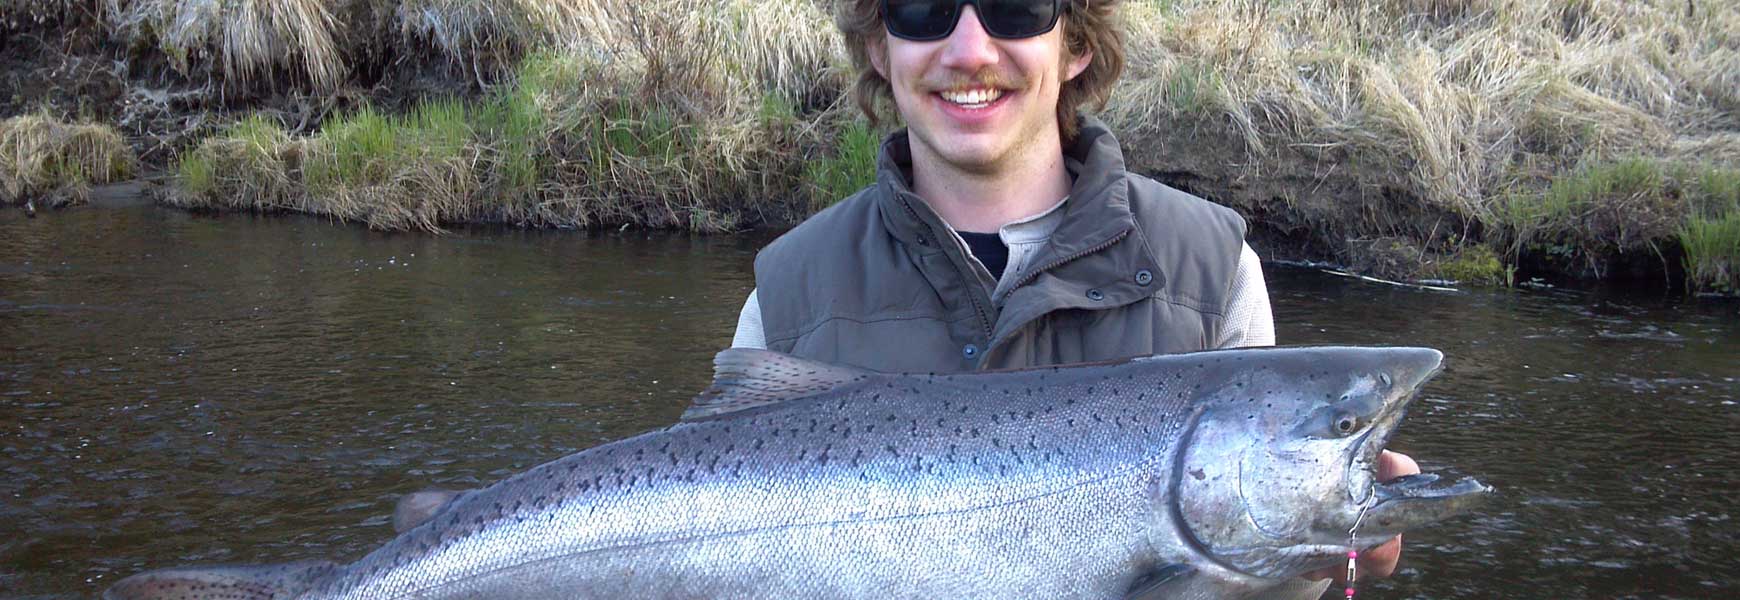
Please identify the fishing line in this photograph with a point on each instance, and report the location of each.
(1353, 538)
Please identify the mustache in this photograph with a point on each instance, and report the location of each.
(985, 77)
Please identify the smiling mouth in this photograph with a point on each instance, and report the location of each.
(972, 99)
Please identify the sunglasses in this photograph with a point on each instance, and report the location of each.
(928, 20)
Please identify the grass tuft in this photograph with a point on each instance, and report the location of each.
(247, 41)
(44, 156)
(1712, 247)
(1475, 265)
(851, 168)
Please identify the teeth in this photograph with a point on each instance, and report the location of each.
(975, 98)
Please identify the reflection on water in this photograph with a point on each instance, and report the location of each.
(177, 389)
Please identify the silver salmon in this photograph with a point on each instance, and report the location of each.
(1223, 474)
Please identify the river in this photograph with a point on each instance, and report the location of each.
(177, 389)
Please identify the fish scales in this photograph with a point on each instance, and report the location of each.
(906, 462)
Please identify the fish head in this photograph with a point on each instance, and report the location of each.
(1280, 461)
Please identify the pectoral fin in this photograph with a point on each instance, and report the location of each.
(1169, 581)
(222, 583)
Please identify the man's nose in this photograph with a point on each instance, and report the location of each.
(969, 47)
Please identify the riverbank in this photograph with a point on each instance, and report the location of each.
(1470, 140)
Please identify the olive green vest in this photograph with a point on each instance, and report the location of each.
(879, 281)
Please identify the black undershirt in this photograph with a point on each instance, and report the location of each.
(989, 249)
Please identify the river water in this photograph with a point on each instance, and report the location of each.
(180, 389)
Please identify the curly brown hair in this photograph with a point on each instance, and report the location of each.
(1091, 27)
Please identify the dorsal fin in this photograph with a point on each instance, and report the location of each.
(744, 378)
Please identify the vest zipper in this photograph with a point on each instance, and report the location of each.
(1034, 274)
(971, 277)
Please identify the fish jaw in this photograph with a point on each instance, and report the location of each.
(1408, 502)
(1280, 467)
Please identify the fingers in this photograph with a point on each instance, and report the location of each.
(1391, 465)
(1380, 561)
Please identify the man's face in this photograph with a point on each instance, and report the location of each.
(974, 101)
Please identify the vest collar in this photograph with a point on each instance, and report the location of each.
(1097, 213)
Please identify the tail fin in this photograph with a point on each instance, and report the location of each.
(273, 582)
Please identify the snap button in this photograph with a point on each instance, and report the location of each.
(970, 351)
(1096, 295)
(922, 241)
(1144, 277)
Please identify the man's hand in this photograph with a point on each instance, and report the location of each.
(1379, 561)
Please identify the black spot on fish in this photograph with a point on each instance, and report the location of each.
(1198, 474)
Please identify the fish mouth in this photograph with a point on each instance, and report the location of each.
(1408, 501)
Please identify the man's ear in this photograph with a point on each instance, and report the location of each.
(1079, 64)
(877, 48)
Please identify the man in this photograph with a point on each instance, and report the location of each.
(1002, 230)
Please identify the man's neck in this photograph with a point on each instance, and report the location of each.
(985, 202)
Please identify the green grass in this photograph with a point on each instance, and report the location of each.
(197, 174)
(1712, 249)
(1193, 89)
(368, 147)
(852, 167)
(1711, 237)
(1475, 265)
(1565, 212)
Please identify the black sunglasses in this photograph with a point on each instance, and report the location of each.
(927, 20)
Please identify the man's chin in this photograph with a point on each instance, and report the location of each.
(970, 153)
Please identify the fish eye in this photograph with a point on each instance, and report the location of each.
(1345, 424)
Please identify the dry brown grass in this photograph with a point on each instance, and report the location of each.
(43, 156)
(1446, 107)
(1352, 122)
(245, 41)
(667, 114)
